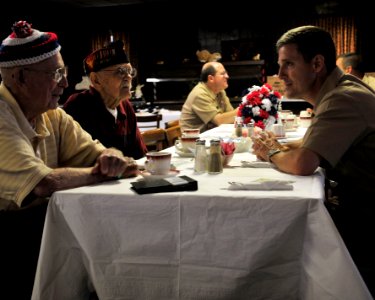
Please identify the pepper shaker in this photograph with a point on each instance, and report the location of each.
(238, 127)
(215, 165)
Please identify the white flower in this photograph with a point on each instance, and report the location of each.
(269, 122)
(267, 104)
(256, 110)
(259, 105)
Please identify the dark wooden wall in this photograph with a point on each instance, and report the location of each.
(172, 31)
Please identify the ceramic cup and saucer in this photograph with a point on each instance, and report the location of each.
(158, 165)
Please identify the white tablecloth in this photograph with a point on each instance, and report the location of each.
(210, 244)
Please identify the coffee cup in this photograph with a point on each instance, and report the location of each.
(304, 118)
(278, 130)
(158, 163)
(284, 114)
(186, 143)
(290, 121)
(191, 132)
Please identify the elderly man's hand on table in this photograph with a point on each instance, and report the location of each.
(112, 163)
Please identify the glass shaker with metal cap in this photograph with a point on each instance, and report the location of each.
(200, 163)
(250, 129)
(238, 126)
(215, 165)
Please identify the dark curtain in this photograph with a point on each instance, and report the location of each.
(343, 31)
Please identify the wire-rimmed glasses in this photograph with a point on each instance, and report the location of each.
(122, 72)
(57, 75)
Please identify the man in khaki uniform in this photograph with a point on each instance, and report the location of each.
(340, 139)
(207, 105)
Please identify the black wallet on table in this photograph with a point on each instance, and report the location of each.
(171, 184)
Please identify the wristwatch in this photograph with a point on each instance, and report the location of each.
(272, 152)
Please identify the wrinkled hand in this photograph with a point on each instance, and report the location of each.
(112, 163)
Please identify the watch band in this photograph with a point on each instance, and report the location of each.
(272, 152)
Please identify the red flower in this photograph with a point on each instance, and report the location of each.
(263, 114)
(259, 105)
(259, 124)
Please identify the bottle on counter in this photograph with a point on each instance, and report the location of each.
(200, 163)
(215, 165)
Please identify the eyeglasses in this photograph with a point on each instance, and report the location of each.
(122, 72)
(57, 75)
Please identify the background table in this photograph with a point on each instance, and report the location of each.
(168, 115)
(214, 243)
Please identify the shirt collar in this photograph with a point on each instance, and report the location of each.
(329, 84)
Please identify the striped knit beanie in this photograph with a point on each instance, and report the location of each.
(25, 46)
(110, 55)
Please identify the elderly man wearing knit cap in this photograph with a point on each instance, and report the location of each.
(42, 150)
(105, 110)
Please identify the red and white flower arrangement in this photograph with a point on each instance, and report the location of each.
(260, 106)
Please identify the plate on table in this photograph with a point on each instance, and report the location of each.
(148, 176)
(294, 129)
(183, 153)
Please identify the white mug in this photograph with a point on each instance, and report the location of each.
(278, 130)
(304, 118)
(290, 120)
(191, 132)
(158, 163)
(284, 114)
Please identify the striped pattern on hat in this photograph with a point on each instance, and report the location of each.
(25, 46)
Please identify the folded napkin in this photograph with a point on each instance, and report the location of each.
(256, 164)
(262, 184)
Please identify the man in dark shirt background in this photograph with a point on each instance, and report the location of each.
(105, 110)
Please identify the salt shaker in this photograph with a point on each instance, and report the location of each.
(250, 129)
(215, 165)
(200, 163)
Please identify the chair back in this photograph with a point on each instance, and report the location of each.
(172, 134)
(155, 139)
(149, 120)
(171, 123)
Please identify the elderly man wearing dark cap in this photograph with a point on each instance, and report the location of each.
(42, 150)
(105, 110)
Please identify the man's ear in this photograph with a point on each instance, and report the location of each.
(94, 78)
(318, 62)
(210, 77)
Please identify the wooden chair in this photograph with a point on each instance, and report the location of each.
(172, 134)
(171, 123)
(155, 139)
(147, 119)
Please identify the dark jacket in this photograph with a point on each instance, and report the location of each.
(88, 109)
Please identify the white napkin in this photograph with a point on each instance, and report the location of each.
(262, 184)
(256, 164)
